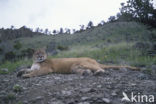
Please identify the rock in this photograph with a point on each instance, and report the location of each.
(123, 69)
(38, 98)
(84, 98)
(2, 93)
(4, 70)
(85, 90)
(99, 86)
(56, 102)
(38, 84)
(84, 103)
(114, 93)
(5, 80)
(153, 68)
(133, 84)
(71, 102)
(66, 93)
(146, 70)
(76, 89)
(25, 102)
(142, 76)
(57, 78)
(106, 100)
(49, 93)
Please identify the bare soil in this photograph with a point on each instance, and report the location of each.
(77, 89)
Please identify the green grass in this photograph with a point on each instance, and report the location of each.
(120, 53)
(11, 66)
(17, 88)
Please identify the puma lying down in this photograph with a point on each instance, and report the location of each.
(83, 66)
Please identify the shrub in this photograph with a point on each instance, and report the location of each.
(62, 48)
(18, 45)
(10, 55)
(17, 88)
(27, 52)
(1, 50)
(19, 102)
(11, 96)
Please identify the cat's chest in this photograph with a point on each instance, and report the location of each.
(35, 66)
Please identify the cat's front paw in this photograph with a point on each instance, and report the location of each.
(26, 76)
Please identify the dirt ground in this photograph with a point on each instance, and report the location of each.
(77, 89)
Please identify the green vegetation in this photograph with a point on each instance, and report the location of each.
(1, 50)
(19, 102)
(62, 48)
(10, 55)
(17, 88)
(11, 96)
(13, 65)
(18, 45)
(112, 43)
(120, 53)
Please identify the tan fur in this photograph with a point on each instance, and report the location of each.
(84, 65)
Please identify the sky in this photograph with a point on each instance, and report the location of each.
(53, 14)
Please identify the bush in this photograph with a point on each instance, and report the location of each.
(18, 45)
(62, 48)
(1, 50)
(17, 88)
(10, 55)
(11, 96)
(27, 52)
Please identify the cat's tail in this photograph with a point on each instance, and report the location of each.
(118, 67)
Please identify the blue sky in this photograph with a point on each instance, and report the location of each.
(53, 14)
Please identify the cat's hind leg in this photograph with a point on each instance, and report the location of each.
(77, 69)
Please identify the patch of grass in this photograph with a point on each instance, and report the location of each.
(11, 66)
(19, 102)
(62, 48)
(3, 72)
(17, 88)
(11, 96)
(18, 45)
(120, 53)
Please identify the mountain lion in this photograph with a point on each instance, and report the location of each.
(84, 66)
